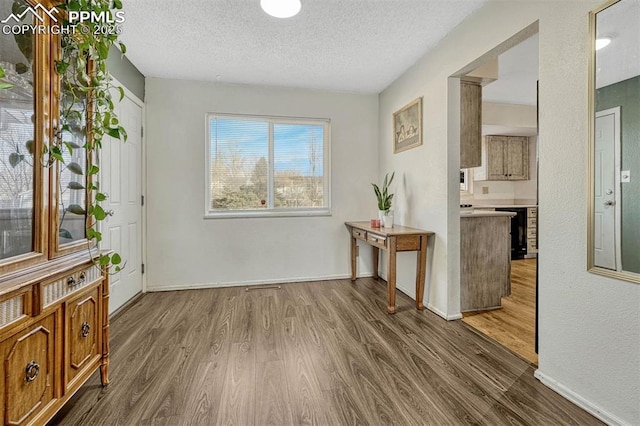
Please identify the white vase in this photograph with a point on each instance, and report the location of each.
(388, 220)
(381, 217)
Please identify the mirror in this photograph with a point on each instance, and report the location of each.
(614, 210)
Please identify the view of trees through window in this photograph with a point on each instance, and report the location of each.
(259, 164)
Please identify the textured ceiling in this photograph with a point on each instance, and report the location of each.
(339, 45)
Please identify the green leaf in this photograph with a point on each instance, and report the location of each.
(93, 170)
(116, 259)
(98, 213)
(61, 67)
(93, 234)
(100, 197)
(114, 132)
(29, 145)
(104, 260)
(123, 132)
(121, 90)
(76, 209)
(65, 234)
(75, 185)
(15, 159)
(75, 168)
(123, 48)
(5, 86)
(57, 154)
(2, 72)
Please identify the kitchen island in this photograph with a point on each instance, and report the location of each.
(485, 259)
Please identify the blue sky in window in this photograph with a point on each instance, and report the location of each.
(250, 139)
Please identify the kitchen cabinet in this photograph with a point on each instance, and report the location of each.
(504, 158)
(470, 124)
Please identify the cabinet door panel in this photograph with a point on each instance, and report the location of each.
(27, 371)
(517, 154)
(83, 329)
(470, 125)
(496, 158)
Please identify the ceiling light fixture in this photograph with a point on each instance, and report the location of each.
(602, 42)
(281, 8)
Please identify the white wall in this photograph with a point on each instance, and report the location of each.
(186, 251)
(589, 325)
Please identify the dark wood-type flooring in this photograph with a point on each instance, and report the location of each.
(514, 325)
(321, 353)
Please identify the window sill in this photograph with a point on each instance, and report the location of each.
(267, 214)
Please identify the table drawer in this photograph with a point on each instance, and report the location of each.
(359, 234)
(376, 240)
(68, 284)
(532, 212)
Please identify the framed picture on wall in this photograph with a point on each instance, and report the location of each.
(407, 126)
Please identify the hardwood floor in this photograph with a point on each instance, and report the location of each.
(514, 325)
(323, 353)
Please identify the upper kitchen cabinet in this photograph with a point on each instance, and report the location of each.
(470, 124)
(504, 158)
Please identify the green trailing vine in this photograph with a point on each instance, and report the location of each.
(86, 111)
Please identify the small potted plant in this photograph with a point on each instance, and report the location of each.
(384, 201)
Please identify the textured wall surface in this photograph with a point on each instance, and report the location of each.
(626, 95)
(589, 326)
(187, 251)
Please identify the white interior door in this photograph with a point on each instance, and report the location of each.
(121, 179)
(607, 142)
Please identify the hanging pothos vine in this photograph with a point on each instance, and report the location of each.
(87, 108)
(86, 111)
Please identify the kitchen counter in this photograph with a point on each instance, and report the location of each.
(485, 213)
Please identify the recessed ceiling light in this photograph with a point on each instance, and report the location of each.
(281, 8)
(602, 42)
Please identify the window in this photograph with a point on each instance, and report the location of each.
(267, 166)
(466, 181)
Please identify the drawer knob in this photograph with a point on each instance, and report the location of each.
(71, 281)
(32, 371)
(84, 330)
(82, 278)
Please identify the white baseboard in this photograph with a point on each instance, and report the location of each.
(156, 288)
(438, 312)
(578, 400)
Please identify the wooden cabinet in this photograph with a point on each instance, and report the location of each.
(53, 299)
(470, 124)
(532, 231)
(504, 158)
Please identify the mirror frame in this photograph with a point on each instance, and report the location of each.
(591, 267)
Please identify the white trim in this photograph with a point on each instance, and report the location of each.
(578, 400)
(617, 169)
(438, 312)
(272, 212)
(280, 281)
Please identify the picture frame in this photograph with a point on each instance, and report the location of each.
(407, 126)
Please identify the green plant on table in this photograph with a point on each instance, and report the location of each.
(384, 198)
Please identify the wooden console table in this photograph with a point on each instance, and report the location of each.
(391, 240)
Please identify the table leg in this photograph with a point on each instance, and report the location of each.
(354, 258)
(376, 252)
(421, 272)
(391, 276)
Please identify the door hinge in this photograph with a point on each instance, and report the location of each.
(142, 200)
(142, 132)
(142, 268)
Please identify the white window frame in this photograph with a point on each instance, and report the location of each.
(270, 212)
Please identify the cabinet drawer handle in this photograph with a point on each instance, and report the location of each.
(71, 281)
(31, 372)
(82, 278)
(84, 330)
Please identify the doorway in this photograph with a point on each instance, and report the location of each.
(121, 177)
(509, 113)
